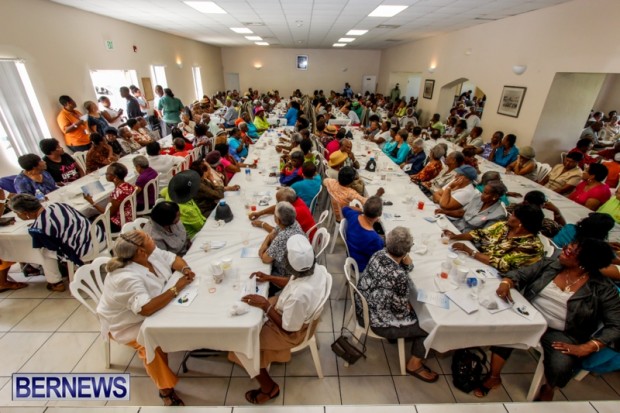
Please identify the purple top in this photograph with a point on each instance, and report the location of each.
(147, 175)
(25, 185)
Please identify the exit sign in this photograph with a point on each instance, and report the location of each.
(109, 44)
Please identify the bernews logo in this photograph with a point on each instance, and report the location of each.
(80, 386)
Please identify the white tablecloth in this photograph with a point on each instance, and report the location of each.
(206, 323)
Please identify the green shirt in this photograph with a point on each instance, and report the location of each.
(612, 208)
(505, 253)
(262, 124)
(191, 217)
(171, 108)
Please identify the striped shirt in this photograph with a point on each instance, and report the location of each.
(63, 229)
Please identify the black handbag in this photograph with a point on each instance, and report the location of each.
(344, 348)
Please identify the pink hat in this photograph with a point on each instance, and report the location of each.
(258, 109)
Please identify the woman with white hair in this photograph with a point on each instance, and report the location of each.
(415, 160)
(273, 248)
(432, 168)
(386, 287)
(139, 283)
(290, 314)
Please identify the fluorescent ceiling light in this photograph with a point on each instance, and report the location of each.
(386, 11)
(254, 38)
(339, 44)
(356, 32)
(207, 7)
(261, 43)
(346, 39)
(241, 30)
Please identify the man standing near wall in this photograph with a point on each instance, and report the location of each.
(395, 93)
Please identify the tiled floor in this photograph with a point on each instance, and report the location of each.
(50, 332)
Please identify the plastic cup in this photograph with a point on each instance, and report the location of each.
(445, 239)
(420, 204)
(445, 270)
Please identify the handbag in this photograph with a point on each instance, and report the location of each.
(343, 348)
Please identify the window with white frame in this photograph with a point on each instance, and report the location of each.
(197, 82)
(22, 124)
(108, 83)
(158, 73)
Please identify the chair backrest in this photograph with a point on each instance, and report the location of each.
(197, 152)
(542, 170)
(320, 307)
(356, 203)
(351, 271)
(80, 158)
(138, 223)
(320, 241)
(322, 218)
(549, 249)
(102, 221)
(131, 199)
(88, 283)
(563, 156)
(343, 233)
(315, 199)
(150, 191)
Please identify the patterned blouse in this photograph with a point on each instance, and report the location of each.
(430, 171)
(386, 287)
(118, 194)
(505, 253)
(277, 250)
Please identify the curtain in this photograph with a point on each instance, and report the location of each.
(21, 119)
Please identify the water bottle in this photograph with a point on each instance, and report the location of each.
(371, 166)
(248, 174)
(39, 195)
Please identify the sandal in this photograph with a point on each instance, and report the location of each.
(12, 285)
(484, 388)
(252, 395)
(173, 398)
(423, 368)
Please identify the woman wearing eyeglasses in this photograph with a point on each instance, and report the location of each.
(575, 299)
(139, 283)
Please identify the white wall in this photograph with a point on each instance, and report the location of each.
(327, 68)
(563, 38)
(609, 98)
(60, 45)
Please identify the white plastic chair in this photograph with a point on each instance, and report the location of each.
(547, 246)
(342, 230)
(98, 247)
(138, 223)
(322, 219)
(351, 271)
(151, 187)
(80, 158)
(542, 170)
(315, 199)
(310, 339)
(131, 199)
(88, 284)
(320, 242)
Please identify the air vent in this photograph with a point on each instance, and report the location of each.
(393, 40)
(485, 18)
(254, 24)
(388, 26)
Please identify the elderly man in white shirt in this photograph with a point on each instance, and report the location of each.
(139, 283)
(162, 163)
(290, 314)
(346, 110)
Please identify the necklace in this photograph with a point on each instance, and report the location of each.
(568, 286)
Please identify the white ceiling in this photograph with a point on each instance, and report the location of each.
(323, 22)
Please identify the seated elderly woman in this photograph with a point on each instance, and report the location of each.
(182, 189)
(60, 230)
(581, 307)
(506, 245)
(342, 193)
(526, 164)
(592, 192)
(166, 229)
(116, 174)
(415, 160)
(550, 227)
(139, 283)
(100, 153)
(386, 287)
(145, 175)
(458, 193)
(273, 248)
(290, 314)
(362, 238)
(483, 210)
(303, 214)
(432, 168)
(453, 160)
(33, 176)
(211, 189)
(398, 149)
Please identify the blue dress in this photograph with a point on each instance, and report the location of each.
(362, 243)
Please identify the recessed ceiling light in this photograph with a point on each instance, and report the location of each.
(386, 11)
(356, 32)
(261, 43)
(241, 30)
(254, 38)
(205, 7)
(339, 44)
(346, 39)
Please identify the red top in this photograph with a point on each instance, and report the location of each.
(587, 159)
(600, 192)
(304, 216)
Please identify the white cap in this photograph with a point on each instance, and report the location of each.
(300, 253)
(617, 157)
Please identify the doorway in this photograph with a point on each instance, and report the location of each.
(409, 83)
(369, 84)
(450, 93)
(231, 81)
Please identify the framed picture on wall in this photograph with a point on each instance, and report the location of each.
(511, 100)
(429, 86)
(302, 62)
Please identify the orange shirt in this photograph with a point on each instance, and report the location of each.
(613, 174)
(76, 137)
